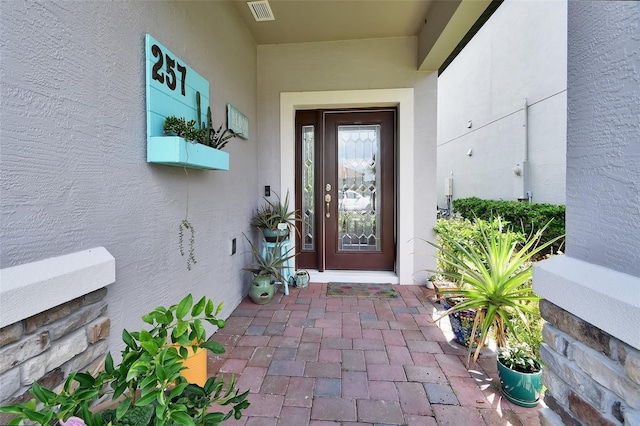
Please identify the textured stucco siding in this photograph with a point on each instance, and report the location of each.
(73, 157)
(352, 65)
(520, 53)
(603, 160)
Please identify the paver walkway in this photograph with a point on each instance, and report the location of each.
(309, 359)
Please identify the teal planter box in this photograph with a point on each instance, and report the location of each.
(175, 151)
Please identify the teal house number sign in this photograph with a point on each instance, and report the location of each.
(171, 90)
(171, 87)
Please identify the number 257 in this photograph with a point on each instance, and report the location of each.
(170, 77)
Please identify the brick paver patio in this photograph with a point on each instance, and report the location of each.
(309, 359)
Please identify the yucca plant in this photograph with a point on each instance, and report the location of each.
(271, 263)
(492, 273)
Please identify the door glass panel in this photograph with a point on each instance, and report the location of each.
(358, 188)
(308, 169)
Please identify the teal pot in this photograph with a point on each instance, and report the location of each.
(275, 235)
(302, 279)
(262, 289)
(523, 389)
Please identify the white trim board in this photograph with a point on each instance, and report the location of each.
(377, 277)
(401, 98)
(607, 299)
(31, 288)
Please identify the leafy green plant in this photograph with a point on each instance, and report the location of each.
(518, 357)
(271, 264)
(531, 334)
(527, 216)
(467, 232)
(492, 274)
(147, 385)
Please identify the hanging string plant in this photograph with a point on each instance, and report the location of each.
(204, 133)
(186, 225)
(191, 257)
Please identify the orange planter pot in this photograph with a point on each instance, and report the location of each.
(196, 367)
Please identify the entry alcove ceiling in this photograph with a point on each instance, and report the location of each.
(439, 24)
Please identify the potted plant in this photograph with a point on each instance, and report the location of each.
(147, 387)
(195, 144)
(267, 264)
(520, 375)
(492, 273)
(275, 219)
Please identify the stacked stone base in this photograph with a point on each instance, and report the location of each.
(591, 377)
(49, 345)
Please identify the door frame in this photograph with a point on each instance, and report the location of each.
(403, 99)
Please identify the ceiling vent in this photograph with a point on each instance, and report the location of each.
(261, 10)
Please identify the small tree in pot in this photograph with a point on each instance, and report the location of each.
(147, 387)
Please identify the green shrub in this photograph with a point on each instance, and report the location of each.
(527, 217)
(464, 232)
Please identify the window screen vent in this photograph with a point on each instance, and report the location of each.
(261, 10)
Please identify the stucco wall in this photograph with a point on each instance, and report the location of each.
(519, 53)
(592, 341)
(351, 65)
(603, 160)
(73, 159)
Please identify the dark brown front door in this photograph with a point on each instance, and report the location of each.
(345, 189)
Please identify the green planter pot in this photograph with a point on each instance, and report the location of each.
(262, 290)
(523, 389)
(275, 235)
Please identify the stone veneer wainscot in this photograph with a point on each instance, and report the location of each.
(68, 328)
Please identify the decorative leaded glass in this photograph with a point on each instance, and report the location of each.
(358, 188)
(308, 173)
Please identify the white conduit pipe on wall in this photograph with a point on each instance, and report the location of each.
(521, 169)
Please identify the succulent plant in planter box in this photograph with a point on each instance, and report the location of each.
(147, 386)
(202, 132)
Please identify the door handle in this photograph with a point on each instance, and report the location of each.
(327, 199)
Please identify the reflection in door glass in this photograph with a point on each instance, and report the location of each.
(358, 188)
(308, 167)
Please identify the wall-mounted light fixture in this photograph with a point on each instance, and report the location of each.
(470, 152)
(469, 124)
(517, 170)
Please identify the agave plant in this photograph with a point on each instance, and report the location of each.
(275, 212)
(492, 273)
(271, 263)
